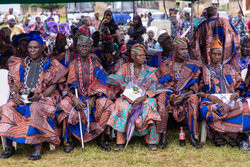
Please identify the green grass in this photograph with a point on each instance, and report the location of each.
(135, 155)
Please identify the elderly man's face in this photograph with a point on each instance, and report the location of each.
(35, 49)
(12, 22)
(167, 44)
(83, 49)
(181, 51)
(245, 49)
(216, 56)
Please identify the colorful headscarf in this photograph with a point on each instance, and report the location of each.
(163, 36)
(178, 41)
(216, 44)
(33, 36)
(84, 39)
(138, 49)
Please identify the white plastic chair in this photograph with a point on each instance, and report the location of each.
(4, 96)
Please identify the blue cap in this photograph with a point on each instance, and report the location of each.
(34, 36)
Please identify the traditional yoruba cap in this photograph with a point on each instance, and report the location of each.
(239, 11)
(83, 39)
(138, 49)
(178, 41)
(61, 36)
(35, 37)
(96, 12)
(163, 36)
(17, 38)
(216, 44)
(10, 17)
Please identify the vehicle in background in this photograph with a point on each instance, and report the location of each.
(17, 13)
(122, 12)
(76, 10)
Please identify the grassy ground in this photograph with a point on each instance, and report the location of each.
(135, 155)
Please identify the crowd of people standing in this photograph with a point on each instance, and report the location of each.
(105, 86)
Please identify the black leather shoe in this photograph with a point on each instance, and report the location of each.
(219, 142)
(35, 155)
(105, 145)
(163, 143)
(195, 143)
(233, 143)
(119, 147)
(8, 152)
(68, 147)
(152, 147)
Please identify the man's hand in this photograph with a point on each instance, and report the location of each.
(139, 100)
(215, 99)
(91, 102)
(78, 103)
(178, 99)
(234, 97)
(18, 99)
(35, 97)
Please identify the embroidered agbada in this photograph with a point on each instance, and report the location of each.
(86, 87)
(209, 30)
(35, 123)
(118, 120)
(224, 118)
(170, 84)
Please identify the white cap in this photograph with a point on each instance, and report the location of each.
(11, 17)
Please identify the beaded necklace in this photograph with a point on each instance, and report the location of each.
(27, 67)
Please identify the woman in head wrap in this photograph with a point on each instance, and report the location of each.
(136, 30)
(109, 22)
(29, 115)
(177, 84)
(138, 73)
(222, 116)
(87, 77)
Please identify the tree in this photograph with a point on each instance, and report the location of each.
(48, 6)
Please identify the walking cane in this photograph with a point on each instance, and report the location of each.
(80, 124)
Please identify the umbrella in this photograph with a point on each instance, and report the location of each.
(137, 111)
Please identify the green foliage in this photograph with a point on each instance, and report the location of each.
(46, 5)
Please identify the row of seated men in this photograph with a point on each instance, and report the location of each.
(46, 97)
